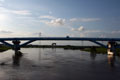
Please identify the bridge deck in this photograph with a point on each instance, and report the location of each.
(61, 38)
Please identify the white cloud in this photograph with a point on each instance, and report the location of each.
(82, 32)
(54, 22)
(47, 17)
(115, 32)
(5, 32)
(73, 19)
(81, 28)
(57, 22)
(93, 31)
(21, 12)
(2, 17)
(44, 21)
(73, 29)
(102, 36)
(84, 19)
(2, 10)
(18, 12)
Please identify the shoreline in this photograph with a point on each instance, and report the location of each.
(91, 49)
(4, 48)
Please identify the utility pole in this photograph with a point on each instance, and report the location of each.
(39, 46)
(40, 36)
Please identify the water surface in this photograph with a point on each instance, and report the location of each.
(58, 64)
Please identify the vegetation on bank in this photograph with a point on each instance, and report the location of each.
(3, 48)
(59, 46)
(97, 50)
(92, 49)
(100, 50)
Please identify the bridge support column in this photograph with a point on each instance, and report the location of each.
(16, 46)
(111, 48)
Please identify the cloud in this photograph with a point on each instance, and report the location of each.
(93, 31)
(110, 34)
(21, 12)
(2, 17)
(54, 22)
(18, 12)
(5, 32)
(81, 28)
(96, 33)
(102, 36)
(84, 19)
(47, 17)
(2, 10)
(83, 32)
(115, 32)
(57, 22)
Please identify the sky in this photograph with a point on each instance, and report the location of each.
(60, 18)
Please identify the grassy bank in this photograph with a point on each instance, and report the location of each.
(100, 50)
(4, 48)
(97, 50)
(92, 49)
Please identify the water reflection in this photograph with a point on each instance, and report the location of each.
(16, 58)
(93, 53)
(56, 64)
(54, 49)
(111, 60)
(40, 54)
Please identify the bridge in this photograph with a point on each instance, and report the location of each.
(16, 42)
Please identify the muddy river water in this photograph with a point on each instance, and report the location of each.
(58, 64)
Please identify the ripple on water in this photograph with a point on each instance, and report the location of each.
(59, 64)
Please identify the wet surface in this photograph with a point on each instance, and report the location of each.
(58, 64)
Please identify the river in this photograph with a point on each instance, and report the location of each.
(58, 64)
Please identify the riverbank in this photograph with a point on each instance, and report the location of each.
(97, 50)
(92, 49)
(4, 48)
(100, 50)
(60, 46)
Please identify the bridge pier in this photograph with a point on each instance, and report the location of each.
(16, 47)
(111, 48)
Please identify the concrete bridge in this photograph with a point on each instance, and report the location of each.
(16, 42)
